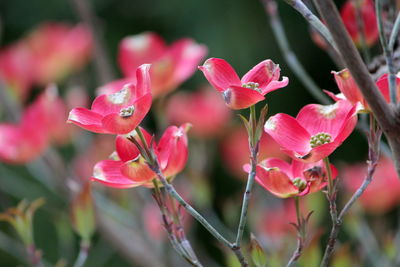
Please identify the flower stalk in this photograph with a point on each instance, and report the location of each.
(301, 233)
(153, 164)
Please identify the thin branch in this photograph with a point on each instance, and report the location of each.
(154, 166)
(289, 55)
(386, 51)
(297, 253)
(373, 157)
(313, 20)
(395, 31)
(247, 194)
(103, 67)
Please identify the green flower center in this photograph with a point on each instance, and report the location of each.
(252, 86)
(127, 112)
(320, 139)
(299, 183)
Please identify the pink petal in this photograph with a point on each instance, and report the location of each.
(178, 154)
(315, 154)
(139, 49)
(276, 182)
(220, 74)
(288, 133)
(114, 123)
(274, 85)
(266, 74)
(383, 85)
(126, 149)
(335, 97)
(114, 86)
(278, 163)
(108, 173)
(325, 118)
(348, 86)
(143, 84)
(187, 55)
(137, 170)
(86, 119)
(237, 97)
(166, 145)
(112, 103)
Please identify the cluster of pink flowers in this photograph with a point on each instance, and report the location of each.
(46, 55)
(123, 104)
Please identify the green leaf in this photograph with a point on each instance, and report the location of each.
(257, 254)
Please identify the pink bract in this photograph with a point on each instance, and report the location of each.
(383, 193)
(41, 122)
(316, 131)
(245, 92)
(349, 16)
(129, 169)
(203, 109)
(58, 49)
(119, 112)
(235, 150)
(287, 180)
(350, 91)
(170, 65)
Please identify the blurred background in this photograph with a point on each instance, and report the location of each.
(129, 232)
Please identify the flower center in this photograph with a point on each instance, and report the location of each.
(252, 86)
(127, 112)
(119, 97)
(299, 183)
(320, 139)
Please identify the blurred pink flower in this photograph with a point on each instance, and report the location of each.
(58, 49)
(203, 109)
(16, 69)
(251, 89)
(367, 11)
(42, 122)
(170, 66)
(316, 131)
(383, 193)
(235, 150)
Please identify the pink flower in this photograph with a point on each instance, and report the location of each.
(240, 94)
(202, 109)
(367, 11)
(316, 131)
(170, 66)
(351, 92)
(287, 180)
(129, 169)
(235, 150)
(16, 69)
(120, 112)
(383, 193)
(58, 49)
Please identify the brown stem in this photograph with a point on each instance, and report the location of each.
(387, 115)
(297, 253)
(373, 157)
